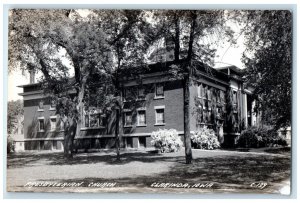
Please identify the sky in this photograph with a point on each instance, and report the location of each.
(226, 54)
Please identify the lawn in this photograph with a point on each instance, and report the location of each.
(145, 171)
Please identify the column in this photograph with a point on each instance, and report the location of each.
(253, 116)
(244, 110)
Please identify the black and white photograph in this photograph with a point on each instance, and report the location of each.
(173, 101)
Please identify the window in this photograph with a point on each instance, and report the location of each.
(54, 145)
(209, 116)
(93, 118)
(129, 93)
(142, 142)
(62, 120)
(209, 93)
(126, 94)
(141, 117)
(52, 105)
(159, 115)
(200, 90)
(200, 114)
(205, 92)
(128, 118)
(218, 96)
(141, 92)
(86, 120)
(222, 96)
(42, 145)
(41, 106)
(205, 115)
(41, 124)
(234, 101)
(159, 91)
(53, 123)
(102, 120)
(234, 97)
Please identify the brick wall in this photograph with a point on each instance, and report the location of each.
(173, 102)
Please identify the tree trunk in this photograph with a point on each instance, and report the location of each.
(74, 122)
(177, 39)
(69, 135)
(186, 95)
(117, 134)
(80, 107)
(186, 112)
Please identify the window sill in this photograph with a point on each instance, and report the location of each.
(141, 99)
(92, 128)
(52, 109)
(128, 126)
(159, 124)
(144, 125)
(40, 110)
(159, 97)
(205, 124)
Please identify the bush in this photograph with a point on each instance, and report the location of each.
(254, 137)
(249, 138)
(10, 145)
(166, 140)
(205, 139)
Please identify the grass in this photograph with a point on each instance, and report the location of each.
(229, 170)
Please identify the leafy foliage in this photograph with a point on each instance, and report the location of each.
(233, 122)
(260, 137)
(166, 140)
(15, 116)
(205, 138)
(100, 50)
(183, 32)
(268, 59)
(10, 145)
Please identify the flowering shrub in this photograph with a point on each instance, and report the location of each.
(166, 140)
(205, 139)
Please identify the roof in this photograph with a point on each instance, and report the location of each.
(221, 73)
(29, 85)
(232, 68)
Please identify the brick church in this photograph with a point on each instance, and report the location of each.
(215, 94)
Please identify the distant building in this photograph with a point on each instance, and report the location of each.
(218, 99)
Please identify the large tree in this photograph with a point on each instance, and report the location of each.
(184, 32)
(268, 59)
(36, 39)
(126, 36)
(101, 48)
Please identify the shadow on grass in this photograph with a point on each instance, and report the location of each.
(32, 159)
(236, 172)
(282, 150)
